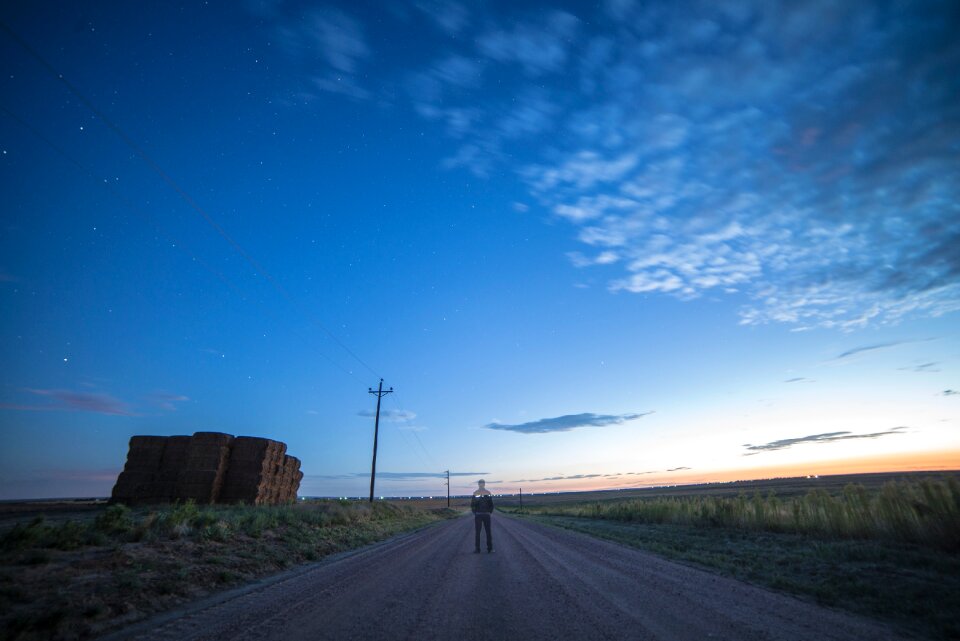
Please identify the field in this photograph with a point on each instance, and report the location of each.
(73, 570)
(885, 546)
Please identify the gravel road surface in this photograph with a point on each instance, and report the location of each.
(540, 583)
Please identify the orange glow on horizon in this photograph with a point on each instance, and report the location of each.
(913, 462)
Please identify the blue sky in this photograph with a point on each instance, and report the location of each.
(589, 244)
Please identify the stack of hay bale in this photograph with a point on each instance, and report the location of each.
(139, 482)
(204, 467)
(261, 472)
(208, 467)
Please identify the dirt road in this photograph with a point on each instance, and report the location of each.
(540, 584)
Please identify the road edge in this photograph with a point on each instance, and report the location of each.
(218, 598)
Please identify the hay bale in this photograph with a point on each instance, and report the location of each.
(145, 452)
(207, 467)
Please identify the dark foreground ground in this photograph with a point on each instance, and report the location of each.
(541, 583)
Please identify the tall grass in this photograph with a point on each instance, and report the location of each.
(118, 523)
(925, 512)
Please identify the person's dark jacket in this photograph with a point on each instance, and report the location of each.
(482, 504)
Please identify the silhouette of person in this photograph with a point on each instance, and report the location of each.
(482, 507)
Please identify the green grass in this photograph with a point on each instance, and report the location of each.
(75, 579)
(913, 587)
(925, 512)
(890, 553)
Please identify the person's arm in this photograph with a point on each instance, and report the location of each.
(473, 504)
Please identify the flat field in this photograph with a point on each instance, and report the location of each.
(882, 545)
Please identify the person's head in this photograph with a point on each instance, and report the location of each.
(481, 483)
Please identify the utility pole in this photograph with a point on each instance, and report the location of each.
(376, 432)
(448, 489)
(521, 500)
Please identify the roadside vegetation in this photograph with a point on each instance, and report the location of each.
(925, 512)
(891, 553)
(78, 578)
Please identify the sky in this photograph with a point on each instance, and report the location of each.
(588, 244)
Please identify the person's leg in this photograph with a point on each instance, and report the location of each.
(477, 522)
(487, 520)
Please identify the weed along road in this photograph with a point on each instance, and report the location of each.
(540, 583)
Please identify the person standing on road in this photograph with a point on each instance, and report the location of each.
(482, 507)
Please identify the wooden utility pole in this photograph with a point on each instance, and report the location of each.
(376, 432)
(448, 489)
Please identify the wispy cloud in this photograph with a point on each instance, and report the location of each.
(394, 476)
(70, 401)
(744, 150)
(869, 348)
(331, 45)
(747, 152)
(923, 367)
(566, 423)
(606, 475)
(538, 46)
(166, 401)
(394, 416)
(829, 437)
(449, 16)
(574, 477)
(950, 392)
(799, 379)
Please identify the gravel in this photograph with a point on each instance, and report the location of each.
(540, 583)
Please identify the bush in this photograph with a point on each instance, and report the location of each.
(116, 519)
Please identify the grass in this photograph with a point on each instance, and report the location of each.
(78, 578)
(925, 512)
(891, 553)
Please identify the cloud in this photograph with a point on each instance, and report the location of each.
(575, 477)
(450, 17)
(538, 47)
(566, 423)
(331, 45)
(950, 392)
(742, 151)
(69, 401)
(394, 416)
(923, 367)
(167, 401)
(393, 476)
(869, 348)
(829, 437)
(799, 379)
(745, 151)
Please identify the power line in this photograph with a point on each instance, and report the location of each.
(143, 155)
(376, 431)
(433, 463)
